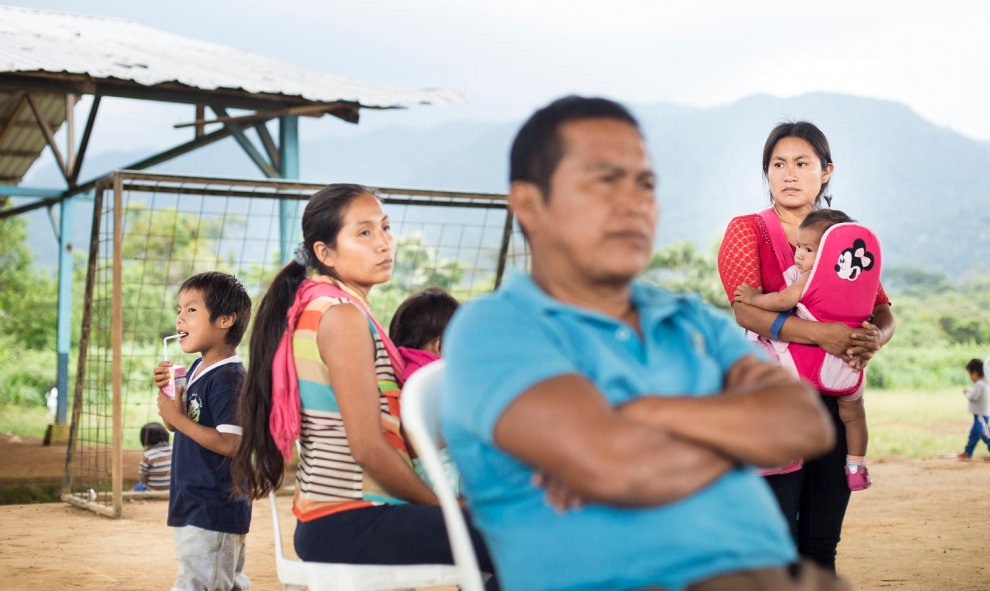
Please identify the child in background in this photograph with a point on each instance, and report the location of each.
(417, 330)
(213, 313)
(979, 406)
(155, 469)
(417, 327)
(852, 412)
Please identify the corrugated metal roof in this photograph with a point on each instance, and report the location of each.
(110, 48)
(38, 46)
(21, 140)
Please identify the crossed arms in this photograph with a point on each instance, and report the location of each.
(658, 449)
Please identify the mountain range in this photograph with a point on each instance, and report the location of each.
(924, 189)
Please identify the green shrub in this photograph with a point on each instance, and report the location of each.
(25, 374)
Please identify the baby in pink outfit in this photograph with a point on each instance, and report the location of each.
(835, 374)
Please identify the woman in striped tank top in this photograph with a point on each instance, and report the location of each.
(323, 372)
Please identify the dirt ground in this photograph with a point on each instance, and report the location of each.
(918, 528)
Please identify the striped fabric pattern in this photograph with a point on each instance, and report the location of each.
(328, 480)
(156, 467)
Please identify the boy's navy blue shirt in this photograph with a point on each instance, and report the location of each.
(200, 482)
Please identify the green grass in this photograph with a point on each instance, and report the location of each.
(903, 423)
(916, 424)
(26, 421)
(32, 421)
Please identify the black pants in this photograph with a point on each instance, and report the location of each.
(386, 534)
(814, 499)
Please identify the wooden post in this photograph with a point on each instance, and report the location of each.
(70, 136)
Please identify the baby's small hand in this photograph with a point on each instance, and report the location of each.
(744, 293)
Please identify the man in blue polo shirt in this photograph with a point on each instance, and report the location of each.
(604, 427)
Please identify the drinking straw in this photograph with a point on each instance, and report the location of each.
(165, 345)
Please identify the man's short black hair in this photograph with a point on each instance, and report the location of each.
(223, 295)
(976, 366)
(538, 147)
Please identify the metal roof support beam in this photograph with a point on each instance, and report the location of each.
(70, 135)
(51, 218)
(171, 153)
(200, 116)
(288, 211)
(139, 165)
(238, 132)
(269, 144)
(49, 136)
(19, 191)
(344, 110)
(81, 153)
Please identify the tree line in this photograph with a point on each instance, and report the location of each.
(942, 323)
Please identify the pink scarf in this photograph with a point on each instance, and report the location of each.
(781, 247)
(415, 360)
(284, 421)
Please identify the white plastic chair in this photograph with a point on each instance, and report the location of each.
(296, 575)
(420, 417)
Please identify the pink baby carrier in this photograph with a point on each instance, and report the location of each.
(842, 287)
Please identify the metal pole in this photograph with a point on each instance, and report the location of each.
(64, 331)
(288, 226)
(117, 331)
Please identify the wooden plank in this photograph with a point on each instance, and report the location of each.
(90, 506)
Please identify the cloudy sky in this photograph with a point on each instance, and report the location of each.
(509, 56)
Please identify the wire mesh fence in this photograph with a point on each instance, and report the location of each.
(151, 232)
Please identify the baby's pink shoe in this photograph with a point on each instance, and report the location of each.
(858, 477)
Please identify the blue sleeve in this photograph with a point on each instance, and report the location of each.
(729, 339)
(495, 350)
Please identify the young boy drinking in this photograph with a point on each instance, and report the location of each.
(836, 376)
(213, 312)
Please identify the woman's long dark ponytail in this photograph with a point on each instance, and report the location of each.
(257, 466)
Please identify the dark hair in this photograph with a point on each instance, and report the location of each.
(257, 465)
(807, 132)
(421, 318)
(223, 295)
(152, 434)
(975, 366)
(537, 148)
(825, 218)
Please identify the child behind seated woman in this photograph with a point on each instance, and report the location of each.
(851, 410)
(156, 465)
(417, 330)
(417, 327)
